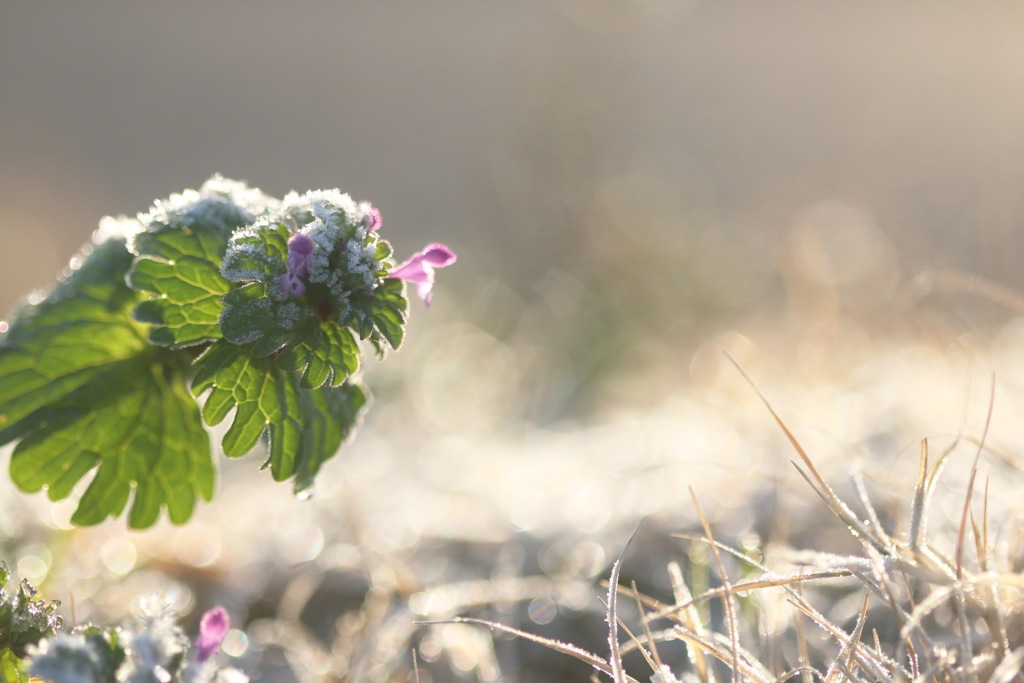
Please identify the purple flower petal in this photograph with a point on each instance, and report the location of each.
(371, 217)
(419, 269)
(291, 284)
(212, 629)
(300, 254)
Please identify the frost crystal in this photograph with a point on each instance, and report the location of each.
(207, 672)
(66, 659)
(116, 227)
(24, 620)
(152, 649)
(220, 203)
(664, 675)
(289, 315)
(330, 206)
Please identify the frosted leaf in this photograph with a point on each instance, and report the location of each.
(330, 206)
(220, 203)
(240, 263)
(246, 258)
(151, 649)
(116, 227)
(67, 659)
(289, 315)
(324, 237)
(243, 334)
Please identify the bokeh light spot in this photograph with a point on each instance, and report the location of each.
(542, 610)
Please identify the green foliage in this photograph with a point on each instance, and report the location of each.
(303, 427)
(83, 391)
(179, 270)
(381, 317)
(179, 321)
(24, 621)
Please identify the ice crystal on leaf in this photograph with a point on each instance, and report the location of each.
(155, 650)
(24, 619)
(219, 203)
(68, 659)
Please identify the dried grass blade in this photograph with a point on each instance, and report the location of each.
(848, 649)
(614, 655)
(689, 616)
(657, 665)
(558, 646)
(783, 581)
(970, 482)
(730, 608)
(824, 490)
(1003, 639)
(918, 516)
(1009, 667)
(801, 641)
(720, 648)
(637, 644)
(875, 524)
(952, 280)
(877, 667)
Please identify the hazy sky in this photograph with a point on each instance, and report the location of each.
(500, 127)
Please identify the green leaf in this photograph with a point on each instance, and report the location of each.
(326, 354)
(179, 269)
(303, 427)
(250, 317)
(12, 669)
(83, 391)
(380, 315)
(332, 415)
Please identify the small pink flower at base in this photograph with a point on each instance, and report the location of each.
(212, 629)
(371, 217)
(300, 255)
(292, 285)
(420, 268)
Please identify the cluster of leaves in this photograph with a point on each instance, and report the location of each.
(120, 369)
(155, 649)
(24, 621)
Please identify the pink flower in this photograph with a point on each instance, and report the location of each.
(371, 217)
(292, 284)
(420, 268)
(212, 629)
(300, 255)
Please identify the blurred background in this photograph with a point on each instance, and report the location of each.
(620, 179)
(630, 185)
